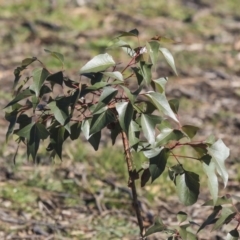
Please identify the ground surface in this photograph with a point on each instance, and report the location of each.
(71, 200)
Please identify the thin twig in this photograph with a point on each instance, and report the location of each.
(131, 184)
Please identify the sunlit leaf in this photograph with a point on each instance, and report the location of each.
(169, 58)
(181, 216)
(98, 63)
(133, 134)
(158, 163)
(226, 216)
(160, 101)
(146, 71)
(125, 112)
(114, 75)
(167, 135)
(187, 186)
(220, 153)
(107, 95)
(148, 123)
(28, 61)
(160, 84)
(39, 76)
(153, 50)
(60, 115)
(24, 94)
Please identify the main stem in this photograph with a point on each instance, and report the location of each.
(131, 183)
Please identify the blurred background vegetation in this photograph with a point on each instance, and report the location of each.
(86, 195)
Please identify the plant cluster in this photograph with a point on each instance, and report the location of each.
(126, 99)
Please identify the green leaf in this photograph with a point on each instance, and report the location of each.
(211, 218)
(167, 135)
(181, 216)
(146, 71)
(169, 58)
(28, 61)
(145, 177)
(114, 75)
(159, 84)
(132, 33)
(25, 132)
(131, 95)
(190, 130)
(161, 103)
(39, 76)
(220, 153)
(57, 137)
(233, 235)
(56, 78)
(174, 104)
(56, 55)
(153, 50)
(157, 227)
(86, 128)
(226, 216)
(98, 63)
(125, 113)
(99, 121)
(209, 169)
(187, 186)
(148, 123)
(107, 95)
(115, 130)
(60, 115)
(11, 117)
(201, 149)
(75, 130)
(158, 163)
(133, 134)
(220, 201)
(138, 74)
(24, 94)
(95, 139)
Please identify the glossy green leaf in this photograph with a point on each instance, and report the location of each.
(190, 130)
(152, 152)
(159, 84)
(125, 113)
(39, 76)
(28, 61)
(153, 50)
(148, 123)
(210, 170)
(226, 216)
(181, 216)
(167, 135)
(174, 104)
(99, 121)
(160, 101)
(107, 95)
(114, 75)
(131, 95)
(86, 128)
(169, 58)
(60, 115)
(146, 71)
(98, 64)
(158, 226)
(233, 235)
(24, 94)
(187, 186)
(211, 219)
(220, 153)
(133, 134)
(75, 130)
(158, 163)
(56, 55)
